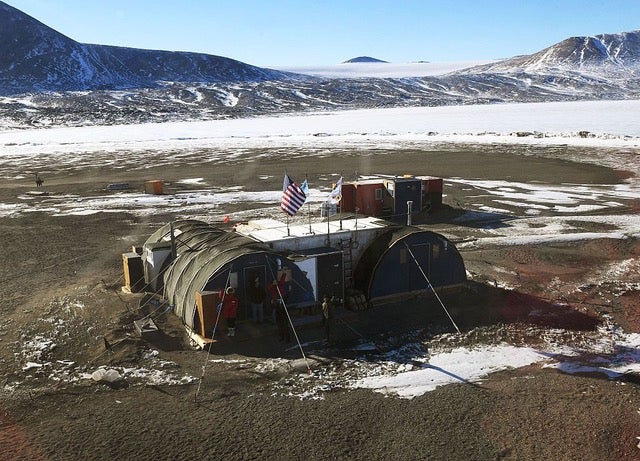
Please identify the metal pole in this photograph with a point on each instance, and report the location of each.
(174, 252)
(431, 286)
(328, 225)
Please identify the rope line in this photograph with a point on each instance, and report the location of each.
(284, 305)
(213, 334)
(42, 269)
(431, 286)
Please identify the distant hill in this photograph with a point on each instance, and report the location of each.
(363, 59)
(34, 57)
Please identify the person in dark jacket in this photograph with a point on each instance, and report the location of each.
(327, 316)
(278, 295)
(257, 296)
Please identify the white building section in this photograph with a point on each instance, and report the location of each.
(353, 233)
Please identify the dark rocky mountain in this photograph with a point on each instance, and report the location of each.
(34, 57)
(48, 79)
(362, 59)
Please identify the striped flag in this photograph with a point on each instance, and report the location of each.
(292, 196)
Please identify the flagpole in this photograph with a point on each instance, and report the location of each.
(306, 181)
(340, 203)
(285, 186)
(328, 223)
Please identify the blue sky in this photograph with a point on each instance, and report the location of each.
(322, 32)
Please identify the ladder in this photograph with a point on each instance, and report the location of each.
(345, 246)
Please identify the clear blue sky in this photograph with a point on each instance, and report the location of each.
(321, 32)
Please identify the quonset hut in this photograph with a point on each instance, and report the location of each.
(190, 261)
(357, 261)
(406, 260)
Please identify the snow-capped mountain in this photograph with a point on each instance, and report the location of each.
(47, 78)
(34, 57)
(606, 52)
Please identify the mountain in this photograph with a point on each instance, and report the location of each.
(49, 79)
(363, 59)
(600, 53)
(35, 57)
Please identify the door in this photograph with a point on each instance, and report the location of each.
(330, 277)
(422, 254)
(249, 275)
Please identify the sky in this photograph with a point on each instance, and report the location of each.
(280, 33)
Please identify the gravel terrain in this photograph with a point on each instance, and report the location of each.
(62, 273)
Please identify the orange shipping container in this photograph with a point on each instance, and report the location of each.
(155, 187)
(367, 197)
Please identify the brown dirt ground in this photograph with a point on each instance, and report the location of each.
(531, 413)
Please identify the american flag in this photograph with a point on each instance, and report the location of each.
(292, 196)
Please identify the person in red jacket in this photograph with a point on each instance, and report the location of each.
(230, 309)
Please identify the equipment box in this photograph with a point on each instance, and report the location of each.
(133, 272)
(207, 313)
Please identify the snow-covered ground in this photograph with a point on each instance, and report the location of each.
(610, 123)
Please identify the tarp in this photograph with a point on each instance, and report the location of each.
(192, 270)
(203, 252)
(190, 234)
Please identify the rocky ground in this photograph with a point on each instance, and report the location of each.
(61, 278)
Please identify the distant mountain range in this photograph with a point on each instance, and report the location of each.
(47, 78)
(34, 57)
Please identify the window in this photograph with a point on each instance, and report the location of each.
(379, 194)
(403, 256)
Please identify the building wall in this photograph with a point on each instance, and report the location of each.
(405, 190)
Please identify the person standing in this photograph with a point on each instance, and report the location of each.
(327, 316)
(257, 296)
(230, 309)
(279, 309)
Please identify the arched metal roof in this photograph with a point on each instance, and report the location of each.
(382, 272)
(202, 252)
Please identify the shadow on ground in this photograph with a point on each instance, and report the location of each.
(475, 305)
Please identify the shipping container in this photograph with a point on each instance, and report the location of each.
(404, 189)
(155, 187)
(365, 197)
(432, 189)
